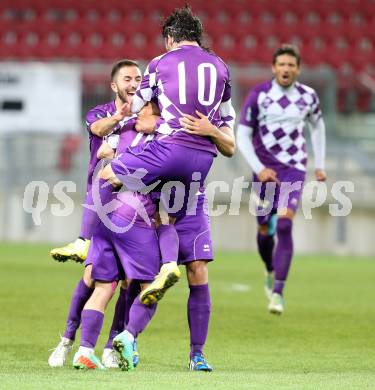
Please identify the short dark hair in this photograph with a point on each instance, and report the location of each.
(182, 25)
(287, 48)
(120, 64)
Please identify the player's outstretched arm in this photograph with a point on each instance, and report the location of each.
(223, 137)
(104, 126)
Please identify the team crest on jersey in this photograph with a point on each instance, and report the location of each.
(301, 104)
(267, 102)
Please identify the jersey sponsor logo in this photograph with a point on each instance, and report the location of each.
(266, 102)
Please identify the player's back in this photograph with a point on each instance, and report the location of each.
(190, 78)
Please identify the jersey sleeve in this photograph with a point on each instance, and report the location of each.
(147, 90)
(250, 110)
(94, 115)
(315, 113)
(226, 110)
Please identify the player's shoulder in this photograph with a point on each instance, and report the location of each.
(104, 108)
(265, 87)
(303, 88)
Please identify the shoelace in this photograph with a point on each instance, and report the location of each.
(59, 347)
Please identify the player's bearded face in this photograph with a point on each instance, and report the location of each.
(127, 81)
(286, 70)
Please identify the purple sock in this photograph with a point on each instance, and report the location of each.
(168, 243)
(131, 294)
(198, 310)
(81, 295)
(118, 323)
(265, 247)
(92, 322)
(140, 315)
(283, 253)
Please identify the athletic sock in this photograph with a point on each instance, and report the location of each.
(140, 315)
(81, 295)
(265, 247)
(168, 243)
(283, 253)
(92, 322)
(118, 323)
(198, 311)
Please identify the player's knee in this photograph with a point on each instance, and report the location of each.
(284, 226)
(104, 291)
(197, 272)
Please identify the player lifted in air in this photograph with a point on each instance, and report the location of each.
(271, 138)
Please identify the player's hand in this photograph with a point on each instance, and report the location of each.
(123, 112)
(267, 174)
(320, 175)
(146, 123)
(198, 126)
(105, 151)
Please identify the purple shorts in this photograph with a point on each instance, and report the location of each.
(165, 162)
(133, 254)
(195, 235)
(273, 197)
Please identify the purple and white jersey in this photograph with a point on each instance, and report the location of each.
(278, 117)
(183, 80)
(101, 111)
(135, 206)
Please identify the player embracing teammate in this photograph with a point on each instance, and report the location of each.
(191, 87)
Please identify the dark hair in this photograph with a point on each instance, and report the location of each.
(287, 48)
(120, 64)
(182, 25)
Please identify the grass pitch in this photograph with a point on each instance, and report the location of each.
(324, 340)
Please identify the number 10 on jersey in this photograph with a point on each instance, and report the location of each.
(202, 85)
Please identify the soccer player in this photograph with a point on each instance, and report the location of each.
(133, 252)
(103, 123)
(185, 79)
(271, 138)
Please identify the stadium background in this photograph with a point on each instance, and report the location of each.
(325, 339)
(337, 43)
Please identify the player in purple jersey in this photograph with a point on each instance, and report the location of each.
(125, 77)
(103, 123)
(126, 248)
(271, 137)
(185, 79)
